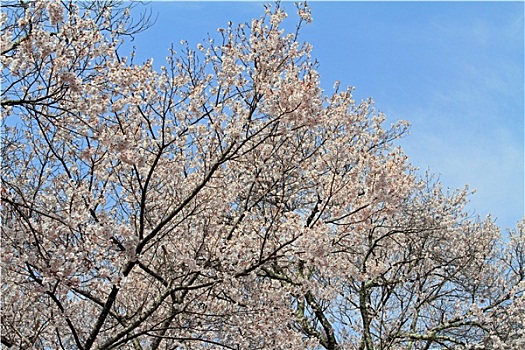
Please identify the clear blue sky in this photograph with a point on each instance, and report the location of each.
(455, 70)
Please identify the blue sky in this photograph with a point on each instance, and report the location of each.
(455, 70)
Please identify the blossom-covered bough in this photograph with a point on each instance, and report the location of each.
(224, 202)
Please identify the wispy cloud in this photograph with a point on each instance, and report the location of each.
(468, 124)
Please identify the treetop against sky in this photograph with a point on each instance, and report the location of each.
(454, 70)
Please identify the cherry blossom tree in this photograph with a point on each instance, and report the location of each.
(225, 201)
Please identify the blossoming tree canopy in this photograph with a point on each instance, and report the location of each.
(224, 201)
